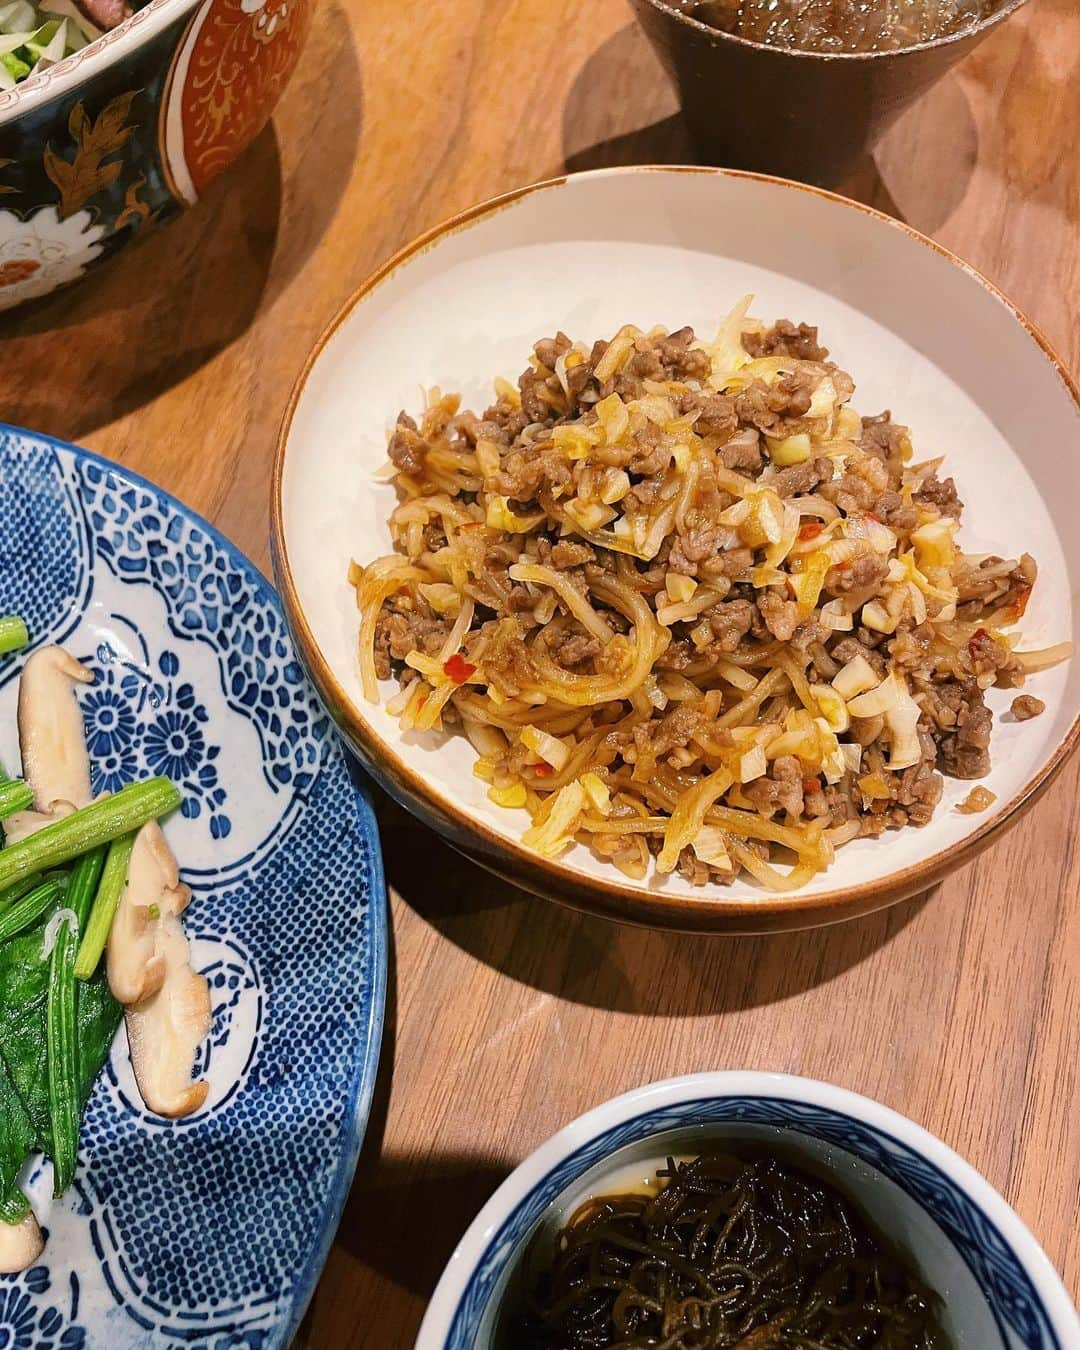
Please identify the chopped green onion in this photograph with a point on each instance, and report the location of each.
(85, 878)
(13, 634)
(28, 909)
(14, 1208)
(154, 911)
(62, 1057)
(99, 823)
(14, 796)
(113, 881)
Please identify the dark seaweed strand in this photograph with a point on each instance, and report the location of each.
(729, 1254)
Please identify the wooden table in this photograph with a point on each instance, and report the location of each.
(508, 1016)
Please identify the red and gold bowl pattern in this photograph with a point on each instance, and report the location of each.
(124, 134)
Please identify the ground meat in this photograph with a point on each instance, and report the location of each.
(1025, 706)
(400, 631)
(882, 438)
(730, 623)
(868, 569)
(849, 647)
(674, 731)
(891, 510)
(567, 553)
(525, 472)
(920, 789)
(779, 616)
(733, 563)
(699, 542)
(943, 495)
(909, 647)
(742, 452)
(782, 789)
(963, 750)
(985, 654)
(548, 350)
(852, 493)
(776, 408)
(981, 594)
(573, 649)
(692, 868)
(824, 665)
(682, 361)
(407, 447)
(786, 339)
(802, 478)
(716, 415)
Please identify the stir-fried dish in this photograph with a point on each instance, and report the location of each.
(731, 1252)
(690, 608)
(90, 934)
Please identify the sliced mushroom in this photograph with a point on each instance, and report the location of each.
(20, 1245)
(154, 889)
(165, 1032)
(52, 737)
(23, 824)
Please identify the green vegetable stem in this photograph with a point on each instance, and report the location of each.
(113, 881)
(28, 908)
(62, 1057)
(100, 823)
(14, 796)
(13, 634)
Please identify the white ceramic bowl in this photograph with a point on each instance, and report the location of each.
(921, 333)
(1000, 1291)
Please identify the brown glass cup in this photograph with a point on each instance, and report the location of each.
(804, 115)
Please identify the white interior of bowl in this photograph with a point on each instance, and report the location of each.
(965, 1315)
(919, 334)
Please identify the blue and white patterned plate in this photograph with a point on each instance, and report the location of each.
(206, 1233)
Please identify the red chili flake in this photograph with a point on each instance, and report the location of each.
(543, 770)
(810, 785)
(870, 516)
(1019, 605)
(458, 669)
(811, 530)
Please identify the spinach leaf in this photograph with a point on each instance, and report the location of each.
(24, 975)
(16, 1134)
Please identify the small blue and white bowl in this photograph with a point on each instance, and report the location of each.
(999, 1290)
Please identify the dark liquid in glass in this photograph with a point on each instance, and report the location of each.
(841, 25)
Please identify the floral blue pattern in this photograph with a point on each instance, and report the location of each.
(207, 1233)
(27, 1322)
(140, 721)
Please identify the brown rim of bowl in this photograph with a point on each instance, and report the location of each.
(614, 898)
(982, 26)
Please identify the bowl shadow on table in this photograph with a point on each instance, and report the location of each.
(394, 1200)
(170, 302)
(622, 110)
(602, 964)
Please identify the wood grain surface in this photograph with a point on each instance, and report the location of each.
(508, 1016)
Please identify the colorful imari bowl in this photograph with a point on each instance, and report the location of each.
(208, 1232)
(125, 133)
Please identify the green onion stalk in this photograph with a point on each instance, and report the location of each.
(13, 634)
(100, 823)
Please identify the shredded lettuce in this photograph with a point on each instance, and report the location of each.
(36, 34)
